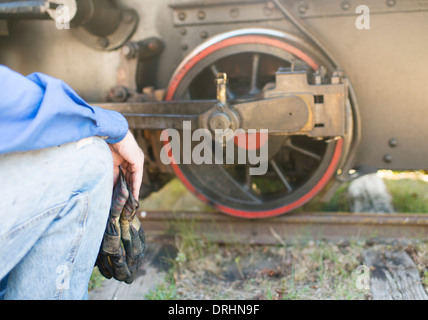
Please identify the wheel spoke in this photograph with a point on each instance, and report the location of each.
(302, 150)
(254, 74)
(218, 175)
(247, 187)
(280, 174)
(248, 180)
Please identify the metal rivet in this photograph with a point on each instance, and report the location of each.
(153, 45)
(183, 31)
(102, 42)
(182, 15)
(129, 51)
(201, 15)
(387, 158)
(393, 142)
(234, 12)
(270, 5)
(118, 94)
(390, 3)
(267, 11)
(126, 50)
(203, 34)
(346, 5)
(303, 8)
(184, 47)
(128, 17)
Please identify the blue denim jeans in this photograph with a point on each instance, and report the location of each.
(54, 205)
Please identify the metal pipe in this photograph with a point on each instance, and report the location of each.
(305, 30)
(37, 9)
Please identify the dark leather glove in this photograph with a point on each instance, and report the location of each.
(132, 235)
(123, 246)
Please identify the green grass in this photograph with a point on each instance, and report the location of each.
(96, 279)
(338, 202)
(425, 279)
(321, 270)
(409, 196)
(173, 197)
(164, 291)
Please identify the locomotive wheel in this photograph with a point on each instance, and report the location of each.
(299, 167)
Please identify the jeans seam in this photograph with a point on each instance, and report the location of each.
(76, 244)
(23, 226)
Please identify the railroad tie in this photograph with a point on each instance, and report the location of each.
(393, 276)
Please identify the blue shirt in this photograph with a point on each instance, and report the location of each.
(39, 111)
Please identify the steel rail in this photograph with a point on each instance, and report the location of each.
(333, 226)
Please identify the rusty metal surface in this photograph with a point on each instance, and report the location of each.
(386, 64)
(328, 121)
(22, 10)
(292, 227)
(385, 115)
(371, 58)
(160, 115)
(4, 30)
(331, 8)
(297, 113)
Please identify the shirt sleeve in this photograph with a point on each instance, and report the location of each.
(39, 111)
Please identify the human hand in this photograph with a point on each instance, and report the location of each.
(129, 156)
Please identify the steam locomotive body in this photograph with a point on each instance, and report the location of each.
(328, 90)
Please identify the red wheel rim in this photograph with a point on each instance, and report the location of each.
(239, 40)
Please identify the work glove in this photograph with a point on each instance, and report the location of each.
(123, 246)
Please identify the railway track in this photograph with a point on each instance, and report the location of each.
(335, 226)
